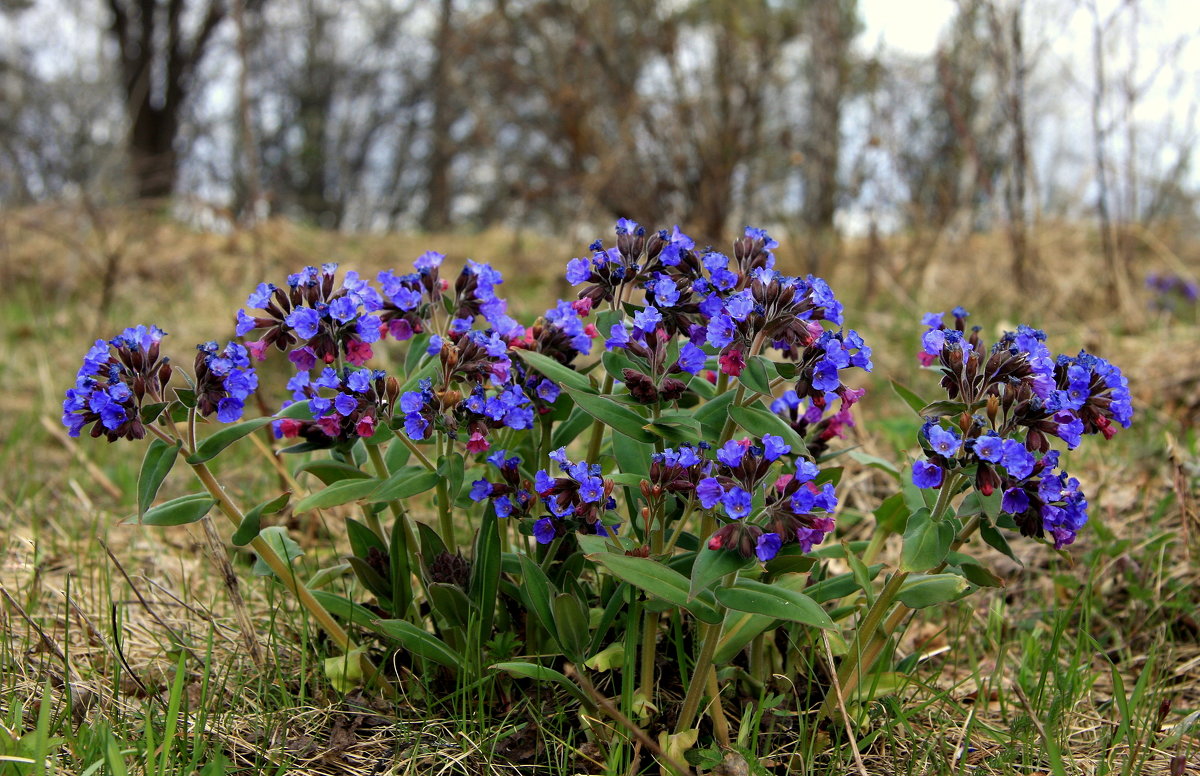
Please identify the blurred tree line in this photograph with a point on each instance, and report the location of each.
(440, 114)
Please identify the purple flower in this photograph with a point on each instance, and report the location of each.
(305, 320)
(926, 475)
(480, 489)
(944, 443)
(343, 309)
(544, 531)
(709, 491)
(720, 331)
(578, 271)
(737, 502)
(1016, 460)
(229, 409)
(1015, 501)
(774, 447)
(988, 448)
(731, 453)
(768, 546)
(691, 358)
(344, 403)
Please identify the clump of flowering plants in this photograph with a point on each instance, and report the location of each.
(644, 469)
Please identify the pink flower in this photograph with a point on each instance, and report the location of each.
(258, 349)
(477, 443)
(591, 330)
(732, 363)
(358, 352)
(582, 306)
(330, 425)
(926, 359)
(288, 428)
(783, 481)
(365, 427)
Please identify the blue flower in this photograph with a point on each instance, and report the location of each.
(740, 305)
(548, 391)
(343, 309)
(989, 447)
(647, 319)
(480, 489)
(943, 442)
(1015, 501)
(578, 271)
(774, 447)
(737, 502)
(305, 320)
(544, 531)
(344, 403)
(691, 358)
(1016, 460)
(591, 489)
(229, 409)
(926, 475)
(618, 337)
(768, 546)
(359, 381)
(665, 292)
(709, 491)
(415, 426)
(435, 345)
(720, 331)
(731, 453)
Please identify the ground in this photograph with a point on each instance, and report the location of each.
(1084, 663)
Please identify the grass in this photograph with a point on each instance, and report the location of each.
(133, 663)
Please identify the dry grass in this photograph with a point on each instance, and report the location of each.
(68, 616)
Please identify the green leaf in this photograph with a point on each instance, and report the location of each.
(538, 592)
(613, 415)
(925, 542)
(757, 375)
(177, 511)
(450, 603)
(741, 627)
(570, 429)
(911, 399)
(285, 547)
(330, 471)
(484, 586)
(249, 527)
(342, 492)
(550, 367)
(150, 412)
(992, 536)
(403, 483)
(711, 565)
(419, 642)
(839, 586)
(892, 514)
(773, 601)
(452, 469)
(875, 462)
(400, 570)
(345, 609)
(214, 444)
(156, 465)
(571, 625)
(940, 409)
(362, 539)
(659, 581)
(713, 414)
(921, 590)
(760, 422)
(544, 674)
(296, 411)
(976, 574)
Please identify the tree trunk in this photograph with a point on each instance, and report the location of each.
(436, 217)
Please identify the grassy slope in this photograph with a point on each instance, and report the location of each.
(1031, 675)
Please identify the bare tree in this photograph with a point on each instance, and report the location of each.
(158, 60)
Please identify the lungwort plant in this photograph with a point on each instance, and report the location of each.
(631, 499)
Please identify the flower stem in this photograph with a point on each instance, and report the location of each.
(699, 683)
(287, 576)
(872, 635)
(593, 450)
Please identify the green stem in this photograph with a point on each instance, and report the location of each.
(699, 683)
(872, 635)
(398, 511)
(428, 464)
(287, 576)
(593, 450)
(445, 519)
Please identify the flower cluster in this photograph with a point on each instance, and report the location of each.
(345, 406)
(511, 496)
(787, 503)
(810, 417)
(116, 377)
(1171, 290)
(427, 410)
(1004, 407)
(315, 316)
(224, 380)
(577, 500)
